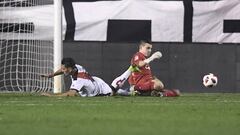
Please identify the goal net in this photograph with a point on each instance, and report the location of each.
(26, 45)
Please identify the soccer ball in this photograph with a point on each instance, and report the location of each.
(210, 80)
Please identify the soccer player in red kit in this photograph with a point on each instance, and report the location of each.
(142, 79)
(140, 76)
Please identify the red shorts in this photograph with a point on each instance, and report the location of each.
(145, 84)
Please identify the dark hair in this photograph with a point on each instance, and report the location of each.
(145, 41)
(68, 62)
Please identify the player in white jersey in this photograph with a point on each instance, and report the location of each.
(83, 83)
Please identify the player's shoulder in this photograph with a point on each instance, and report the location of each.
(80, 68)
(138, 56)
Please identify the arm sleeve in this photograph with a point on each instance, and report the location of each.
(136, 59)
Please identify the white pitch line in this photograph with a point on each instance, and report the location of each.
(6, 104)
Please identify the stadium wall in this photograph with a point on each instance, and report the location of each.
(182, 65)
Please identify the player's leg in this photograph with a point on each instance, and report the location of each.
(120, 80)
(158, 85)
(69, 93)
(124, 92)
(148, 84)
(147, 87)
(160, 91)
(144, 86)
(129, 91)
(171, 93)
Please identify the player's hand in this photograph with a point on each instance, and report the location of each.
(46, 76)
(46, 94)
(157, 55)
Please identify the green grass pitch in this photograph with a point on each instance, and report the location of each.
(190, 114)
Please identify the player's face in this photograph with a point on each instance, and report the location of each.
(65, 70)
(146, 49)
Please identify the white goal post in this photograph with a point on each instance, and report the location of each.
(58, 52)
(30, 45)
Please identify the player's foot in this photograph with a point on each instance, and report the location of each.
(171, 93)
(46, 94)
(177, 92)
(114, 90)
(156, 93)
(133, 92)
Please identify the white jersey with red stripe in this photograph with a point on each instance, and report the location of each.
(89, 87)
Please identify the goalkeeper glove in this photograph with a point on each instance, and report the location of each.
(156, 55)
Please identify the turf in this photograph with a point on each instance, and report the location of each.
(190, 114)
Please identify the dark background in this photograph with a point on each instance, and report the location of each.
(182, 65)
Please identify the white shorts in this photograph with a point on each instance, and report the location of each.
(88, 88)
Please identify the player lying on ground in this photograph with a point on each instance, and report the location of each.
(83, 84)
(140, 76)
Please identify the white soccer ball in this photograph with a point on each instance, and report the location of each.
(210, 80)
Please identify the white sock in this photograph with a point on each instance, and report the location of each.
(119, 81)
(123, 92)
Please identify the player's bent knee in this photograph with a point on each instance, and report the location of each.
(158, 85)
(161, 85)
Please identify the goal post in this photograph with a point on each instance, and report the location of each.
(58, 52)
(30, 45)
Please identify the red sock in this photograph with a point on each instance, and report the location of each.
(144, 86)
(169, 93)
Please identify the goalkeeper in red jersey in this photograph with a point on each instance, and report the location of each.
(139, 74)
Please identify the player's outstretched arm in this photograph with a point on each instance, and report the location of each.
(156, 55)
(70, 93)
(58, 72)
